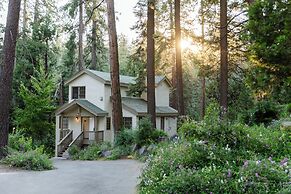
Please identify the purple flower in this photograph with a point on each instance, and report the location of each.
(228, 173)
(257, 175)
(246, 163)
(258, 162)
(284, 162)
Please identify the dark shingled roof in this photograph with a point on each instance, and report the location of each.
(139, 107)
(84, 104)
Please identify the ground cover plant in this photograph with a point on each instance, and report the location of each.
(212, 156)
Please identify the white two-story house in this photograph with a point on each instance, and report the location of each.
(87, 115)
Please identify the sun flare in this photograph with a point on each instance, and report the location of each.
(187, 44)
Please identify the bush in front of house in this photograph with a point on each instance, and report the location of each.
(20, 143)
(23, 154)
(125, 137)
(29, 160)
(146, 134)
(91, 152)
(119, 152)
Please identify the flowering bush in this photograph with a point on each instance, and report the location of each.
(196, 167)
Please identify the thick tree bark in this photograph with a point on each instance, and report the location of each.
(174, 81)
(223, 58)
(61, 88)
(36, 12)
(203, 82)
(179, 71)
(114, 69)
(6, 75)
(81, 31)
(151, 62)
(24, 17)
(94, 43)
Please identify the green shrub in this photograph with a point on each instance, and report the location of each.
(125, 137)
(91, 152)
(20, 143)
(74, 152)
(30, 160)
(257, 139)
(119, 152)
(105, 146)
(196, 167)
(146, 134)
(264, 176)
(158, 135)
(264, 112)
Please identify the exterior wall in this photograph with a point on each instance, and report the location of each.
(171, 126)
(163, 94)
(75, 125)
(126, 113)
(94, 89)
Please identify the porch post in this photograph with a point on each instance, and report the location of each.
(61, 129)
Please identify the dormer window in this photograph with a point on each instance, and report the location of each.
(78, 92)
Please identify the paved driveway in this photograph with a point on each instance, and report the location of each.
(75, 177)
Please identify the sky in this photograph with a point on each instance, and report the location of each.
(124, 13)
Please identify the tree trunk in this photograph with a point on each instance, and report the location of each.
(151, 62)
(24, 17)
(223, 58)
(114, 69)
(179, 71)
(6, 75)
(61, 98)
(94, 43)
(36, 11)
(174, 81)
(203, 83)
(81, 30)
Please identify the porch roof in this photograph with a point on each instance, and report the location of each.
(95, 110)
(139, 107)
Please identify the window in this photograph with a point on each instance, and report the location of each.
(108, 123)
(78, 92)
(65, 122)
(140, 118)
(127, 122)
(162, 123)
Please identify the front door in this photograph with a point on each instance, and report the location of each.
(85, 127)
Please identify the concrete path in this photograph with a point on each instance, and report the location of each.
(75, 177)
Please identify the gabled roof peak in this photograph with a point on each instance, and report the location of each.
(106, 79)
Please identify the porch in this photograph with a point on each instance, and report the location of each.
(79, 123)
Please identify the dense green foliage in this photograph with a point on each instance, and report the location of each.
(91, 152)
(35, 118)
(30, 160)
(22, 153)
(270, 49)
(217, 157)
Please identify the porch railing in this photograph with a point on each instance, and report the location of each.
(63, 133)
(64, 143)
(78, 141)
(96, 136)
